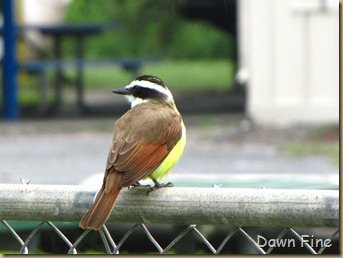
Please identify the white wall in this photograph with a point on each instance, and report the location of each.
(290, 51)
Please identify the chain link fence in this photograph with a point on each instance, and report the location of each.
(201, 220)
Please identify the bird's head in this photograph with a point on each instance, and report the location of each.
(145, 88)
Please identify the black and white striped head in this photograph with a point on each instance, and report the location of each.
(145, 88)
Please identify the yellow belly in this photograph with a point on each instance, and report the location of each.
(172, 158)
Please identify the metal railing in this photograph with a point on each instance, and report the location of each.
(238, 209)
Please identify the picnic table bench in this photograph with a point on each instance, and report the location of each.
(42, 67)
(79, 32)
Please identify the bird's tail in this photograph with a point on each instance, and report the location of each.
(102, 207)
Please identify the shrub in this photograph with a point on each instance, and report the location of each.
(149, 28)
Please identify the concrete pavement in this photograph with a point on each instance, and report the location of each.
(221, 149)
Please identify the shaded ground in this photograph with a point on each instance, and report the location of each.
(106, 104)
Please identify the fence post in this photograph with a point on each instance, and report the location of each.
(9, 65)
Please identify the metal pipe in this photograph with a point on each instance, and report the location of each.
(9, 66)
(175, 205)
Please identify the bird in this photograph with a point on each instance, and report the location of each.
(148, 141)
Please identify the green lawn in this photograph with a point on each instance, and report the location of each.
(320, 140)
(301, 149)
(184, 75)
(178, 75)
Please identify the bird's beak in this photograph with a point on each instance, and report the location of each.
(122, 91)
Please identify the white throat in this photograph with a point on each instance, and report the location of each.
(135, 101)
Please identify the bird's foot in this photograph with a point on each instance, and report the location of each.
(158, 186)
(137, 184)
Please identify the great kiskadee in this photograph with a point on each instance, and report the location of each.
(148, 141)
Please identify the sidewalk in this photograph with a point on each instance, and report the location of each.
(222, 149)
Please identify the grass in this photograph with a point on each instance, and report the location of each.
(303, 149)
(322, 140)
(179, 75)
(195, 75)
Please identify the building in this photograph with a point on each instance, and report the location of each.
(289, 59)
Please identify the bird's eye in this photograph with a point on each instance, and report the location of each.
(135, 88)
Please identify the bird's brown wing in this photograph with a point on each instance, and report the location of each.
(140, 148)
